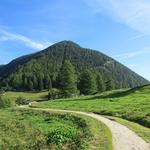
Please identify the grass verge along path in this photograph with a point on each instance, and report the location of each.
(138, 129)
(23, 128)
(132, 105)
(123, 138)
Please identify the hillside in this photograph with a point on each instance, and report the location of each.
(132, 104)
(46, 64)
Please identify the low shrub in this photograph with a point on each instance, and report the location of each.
(54, 94)
(60, 136)
(58, 94)
(21, 101)
(6, 102)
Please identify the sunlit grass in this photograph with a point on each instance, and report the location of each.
(132, 105)
(27, 95)
(35, 129)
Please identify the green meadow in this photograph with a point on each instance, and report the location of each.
(30, 129)
(130, 107)
(34, 96)
(131, 104)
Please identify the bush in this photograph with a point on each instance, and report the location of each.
(57, 94)
(54, 94)
(59, 136)
(2, 92)
(5, 102)
(68, 94)
(21, 101)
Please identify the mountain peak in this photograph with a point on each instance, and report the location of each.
(68, 43)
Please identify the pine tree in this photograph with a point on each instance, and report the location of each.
(87, 84)
(17, 80)
(30, 84)
(40, 84)
(35, 82)
(49, 84)
(100, 83)
(110, 85)
(67, 79)
(25, 82)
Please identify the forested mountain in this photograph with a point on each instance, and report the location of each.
(35, 71)
(1, 66)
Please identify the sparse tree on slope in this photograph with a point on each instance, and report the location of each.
(87, 84)
(30, 84)
(110, 85)
(67, 79)
(100, 83)
(35, 82)
(49, 84)
(40, 83)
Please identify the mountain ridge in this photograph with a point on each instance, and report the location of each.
(49, 61)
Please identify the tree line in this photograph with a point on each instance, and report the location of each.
(89, 82)
(68, 83)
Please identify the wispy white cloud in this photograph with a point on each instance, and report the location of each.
(136, 37)
(134, 13)
(6, 36)
(133, 54)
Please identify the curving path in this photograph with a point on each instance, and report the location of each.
(123, 138)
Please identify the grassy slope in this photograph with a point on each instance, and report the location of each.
(28, 129)
(27, 95)
(133, 105)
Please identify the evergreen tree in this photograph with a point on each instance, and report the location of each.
(30, 84)
(100, 83)
(16, 82)
(35, 82)
(25, 82)
(49, 84)
(67, 79)
(87, 84)
(45, 83)
(40, 84)
(110, 85)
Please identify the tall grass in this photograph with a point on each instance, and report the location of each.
(28, 129)
(6, 102)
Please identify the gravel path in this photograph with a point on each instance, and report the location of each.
(123, 138)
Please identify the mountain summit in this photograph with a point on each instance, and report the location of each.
(47, 63)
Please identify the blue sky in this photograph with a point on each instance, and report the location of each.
(118, 28)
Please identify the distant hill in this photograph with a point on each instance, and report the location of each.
(47, 63)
